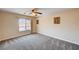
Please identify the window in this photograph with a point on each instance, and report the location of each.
(24, 24)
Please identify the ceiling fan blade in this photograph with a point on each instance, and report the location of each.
(34, 10)
(38, 12)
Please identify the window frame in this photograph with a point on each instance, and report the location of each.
(25, 25)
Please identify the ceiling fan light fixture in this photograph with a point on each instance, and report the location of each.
(34, 14)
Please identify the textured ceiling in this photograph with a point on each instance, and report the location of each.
(45, 11)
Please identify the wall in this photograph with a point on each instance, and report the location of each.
(0, 27)
(9, 25)
(34, 26)
(68, 30)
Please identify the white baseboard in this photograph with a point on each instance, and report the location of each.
(12, 35)
(60, 38)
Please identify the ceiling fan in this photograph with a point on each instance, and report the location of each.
(34, 12)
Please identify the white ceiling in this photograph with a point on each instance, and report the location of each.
(45, 11)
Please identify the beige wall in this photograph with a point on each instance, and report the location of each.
(34, 26)
(68, 30)
(0, 28)
(9, 25)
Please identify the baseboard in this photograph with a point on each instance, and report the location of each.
(11, 36)
(59, 39)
